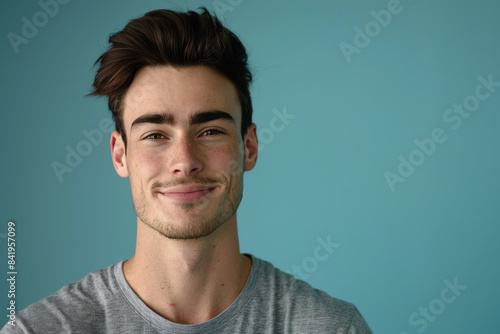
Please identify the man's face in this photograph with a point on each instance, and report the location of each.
(185, 155)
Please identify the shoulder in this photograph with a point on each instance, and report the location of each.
(73, 307)
(308, 309)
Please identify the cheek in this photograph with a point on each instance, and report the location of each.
(144, 166)
(229, 162)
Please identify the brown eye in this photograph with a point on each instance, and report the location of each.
(154, 136)
(211, 132)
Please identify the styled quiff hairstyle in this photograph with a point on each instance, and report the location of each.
(165, 37)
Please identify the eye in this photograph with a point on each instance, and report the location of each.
(211, 132)
(154, 136)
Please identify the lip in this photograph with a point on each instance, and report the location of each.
(188, 193)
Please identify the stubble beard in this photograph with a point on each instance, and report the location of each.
(206, 219)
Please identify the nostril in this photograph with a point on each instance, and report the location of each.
(187, 168)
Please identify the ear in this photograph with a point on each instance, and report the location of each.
(251, 147)
(118, 154)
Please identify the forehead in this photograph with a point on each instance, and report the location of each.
(181, 91)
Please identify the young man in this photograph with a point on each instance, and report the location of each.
(178, 88)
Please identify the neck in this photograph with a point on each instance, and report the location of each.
(188, 281)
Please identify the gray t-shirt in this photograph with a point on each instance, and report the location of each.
(271, 302)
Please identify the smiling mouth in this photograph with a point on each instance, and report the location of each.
(187, 193)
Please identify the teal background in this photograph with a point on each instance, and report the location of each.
(321, 175)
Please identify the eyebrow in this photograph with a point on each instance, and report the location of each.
(212, 115)
(198, 118)
(153, 118)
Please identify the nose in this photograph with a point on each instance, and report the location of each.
(184, 158)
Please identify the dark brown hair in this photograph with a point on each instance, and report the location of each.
(165, 37)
